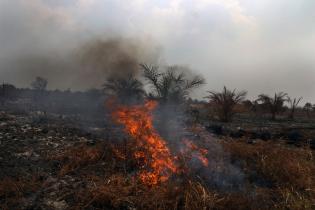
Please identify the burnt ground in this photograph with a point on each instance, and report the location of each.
(55, 162)
(29, 149)
(299, 132)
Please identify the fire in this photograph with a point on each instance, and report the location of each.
(154, 155)
(118, 153)
(197, 152)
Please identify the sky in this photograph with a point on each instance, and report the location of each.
(262, 46)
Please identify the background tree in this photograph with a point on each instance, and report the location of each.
(40, 84)
(308, 108)
(126, 89)
(172, 85)
(293, 105)
(248, 104)
(275, 104)
(8, 92)
(225, 102)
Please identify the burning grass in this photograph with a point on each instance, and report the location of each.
(153, 177)
(288, 175)
(157, 163)
(106, 174)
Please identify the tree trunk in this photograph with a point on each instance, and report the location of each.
(291, 116)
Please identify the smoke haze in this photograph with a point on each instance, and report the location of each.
(262, 46)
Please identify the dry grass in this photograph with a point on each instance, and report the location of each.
(121, 192)
(196, 196)
(78, 157)
(290, 172)
(289, 175)
(13, 191)
(283, 166)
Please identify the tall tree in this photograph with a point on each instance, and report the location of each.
(225, 102)
(126, 89)
(293, 105)
(40, 84)
(308, 108)
(8, 92)
(171, 85)
(273, 104)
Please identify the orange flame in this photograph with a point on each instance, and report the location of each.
(118, 153)
(153, 153)
(199, 153)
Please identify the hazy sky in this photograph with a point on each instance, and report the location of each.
(261, 46)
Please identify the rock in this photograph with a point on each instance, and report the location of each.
(45, 131)
(279, 135)
(312, 143)
(216, 129)
(251, 141)
(51, 133)
(265, 135)
(294, 137)
(50, 180)
(91, 142)
(3, 124)
(35, 156)
(57, 205)
(26, 154)
(238, 134)
(253, 135)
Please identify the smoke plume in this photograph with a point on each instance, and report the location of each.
(84, 66)
(37, 39)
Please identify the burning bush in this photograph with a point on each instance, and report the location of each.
(151, 152)
(157, 163)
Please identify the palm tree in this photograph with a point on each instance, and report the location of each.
(173, 85)
(308, 108)
(274, 104)
(225, 102)
(126, 89)
(293, 105)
